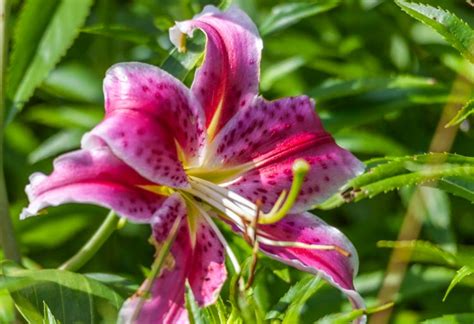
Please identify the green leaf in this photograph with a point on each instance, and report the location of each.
(121, 32)
(279, 70)
(65, 116)
(463, 113)
(74, 82)
(285, 15)
(71, 296)
(452, 28)
(424, 169)
(466, 318)
(44, 32)
(421, 251)
(63, 141)
(289, 307)
(368, 143)
(426, 252)
(459, 186)
(48, 315)
(460, 275)
(7, 314)
(332, 89)
(180, 64)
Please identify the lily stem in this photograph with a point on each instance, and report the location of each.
(7, 235)
(144, 291)
(86, 253)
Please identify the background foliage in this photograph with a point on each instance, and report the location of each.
(387, 77)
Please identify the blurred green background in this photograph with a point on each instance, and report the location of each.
(381, 80)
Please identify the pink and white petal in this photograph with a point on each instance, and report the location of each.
(95, 177)
(334, 267)
(229, 76)
(154, 93)
(140, 141)
(208, 272)
(271, 136)
(166, 300)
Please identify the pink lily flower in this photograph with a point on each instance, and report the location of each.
(180, 158)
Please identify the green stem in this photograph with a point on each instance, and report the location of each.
(144, 291)
(93, 245)
(300, 169)
(7, 235)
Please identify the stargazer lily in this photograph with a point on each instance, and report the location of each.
(181, 158)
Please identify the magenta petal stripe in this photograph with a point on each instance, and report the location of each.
(271, 136)
(228, 79)
(95, 177)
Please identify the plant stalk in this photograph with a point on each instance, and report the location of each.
(93, 245)
(7, 235)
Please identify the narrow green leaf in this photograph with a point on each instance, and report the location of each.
(424, 169)
(74, 82)
(463, 113)
(459, 186)
(121, 32)
(44, 32)
(452, 28)
(465, 318)
(180, 64)
(332, 89)
(30, 313)
(65, 116)
(7, 311)
(279, 70)
(289, 307)
(368, 143)
(71, 296)
(63, 141)
(285, 15)
(48, 317)
(460, 275)
(422, 251)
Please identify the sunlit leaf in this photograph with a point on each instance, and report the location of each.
(48, 315)
(180, 64)
(466, 318)
(44, 32)
(452, 28)
(358, 141)
(285, 15)
(65, 116)
(289, 307)
(460, 275)
(61, 142)
(74, 82)
(423, 169)
(463, 113)
(71, 297)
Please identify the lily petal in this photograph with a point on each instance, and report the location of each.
(208, 272)
(337, 269)
(95, 177)
(165, 303)
(270, 136)
(160, 113)
(228, 79)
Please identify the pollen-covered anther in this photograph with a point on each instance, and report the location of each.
(300, 168)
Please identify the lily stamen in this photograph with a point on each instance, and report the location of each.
(300, 168)
(301, 245)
